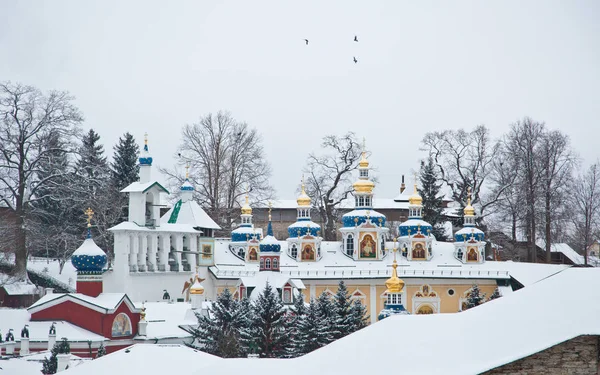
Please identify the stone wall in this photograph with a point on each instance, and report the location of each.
(576, 356)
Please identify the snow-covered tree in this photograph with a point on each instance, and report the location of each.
(475, 297)
(27, 117)
(124, 167)
(495, 295)
(267, 334)
(327, 314)
(432, 199)
(218, 333)
(312, 331)
(50, 365)
(359, 319)
(298, 311)
(342, 319)
(101, 351)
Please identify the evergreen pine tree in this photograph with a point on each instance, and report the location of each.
(475, 297)
(124, 167)
(432, 200)
(267, 334)
(496, 294)
(298, 311)
(218, 333)
(342, 306)
(327, 314)
(312, 332)
(358, 315)
(50, 365)
(101, 351)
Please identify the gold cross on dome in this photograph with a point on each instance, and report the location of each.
(187, 170)
(89, 213)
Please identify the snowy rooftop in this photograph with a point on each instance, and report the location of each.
(148, 359)
(458, 342)
(192, 214)
(141, 187)
(105, 301)
(165, 319)
(51, 268)
(334, 263)
(15, 287)
(16, 319)
(164, 227)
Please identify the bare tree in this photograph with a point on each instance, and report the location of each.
(464, 160)
(557, 164)
(27, 117)
(585, 213)
(226, 159)
(329, 177)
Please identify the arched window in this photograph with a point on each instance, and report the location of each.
(361, 201)
(275, 264)
(268, 264)
(364, 173)
(367, 201)
(294, 252)
(350, 245)
(241, 253)
(425, 310)
(459, 254)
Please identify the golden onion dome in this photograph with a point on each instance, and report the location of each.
(197, 287)
(394, 284)
(415, 199)
(363, 186)
(469, 210)
(363, 163)
(246, 209)
(303, 199)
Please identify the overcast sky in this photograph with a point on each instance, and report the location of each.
(423, 66)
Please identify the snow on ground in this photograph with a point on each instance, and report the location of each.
(488, 336)
(51, 268)
(148, 359)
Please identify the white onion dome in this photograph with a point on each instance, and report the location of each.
(89, 257)
(145, 158)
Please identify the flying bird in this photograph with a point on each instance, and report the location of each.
(355, 38)
(355, 60)
(306, 40)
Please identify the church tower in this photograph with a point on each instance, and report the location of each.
(245, 238)
(270, 249)
(304, 240)
(363, 231)
(469, 244)
(89, 261)
(394, 294)
(415, 233)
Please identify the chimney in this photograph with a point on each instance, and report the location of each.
(402, 186)
(48, 291)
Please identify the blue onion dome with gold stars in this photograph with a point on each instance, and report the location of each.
(303, 225)
(469, 230)
(415, 222)
(269, 244)
(245, 231)
(363, 196)
(89, 258)
(145, 158)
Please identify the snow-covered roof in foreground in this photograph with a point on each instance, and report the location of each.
(164, 319)
(149, 360)
(471, 342)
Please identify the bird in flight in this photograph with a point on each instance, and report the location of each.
(355, 38)
(306, 40)
(355, 60)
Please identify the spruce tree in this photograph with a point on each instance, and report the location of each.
(496, 294)
(475, 297)
(432, 200)
(342, 307)
(327, 315)
(124, 167)
(267, 334)
(312, 331)
(50, 365)
(358, 315)
(298, 311)
(218, 333)
(101, 351)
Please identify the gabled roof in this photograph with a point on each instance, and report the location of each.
(190, 213)
(142, 187)
(105, 303)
